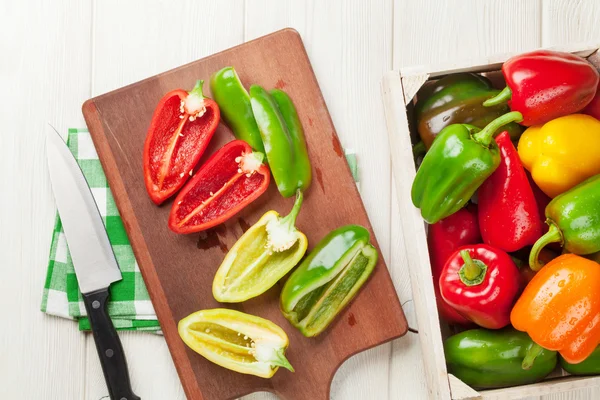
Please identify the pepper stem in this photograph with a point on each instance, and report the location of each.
(484, 137)
(290, 219)
(500, 98)
(554, 235)
(280, 360)
(531, 355)
(419, 149)
(472, 272)
(197, 90)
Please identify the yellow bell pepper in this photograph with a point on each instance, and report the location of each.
(561, 153)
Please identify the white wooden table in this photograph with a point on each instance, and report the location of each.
(56, 54)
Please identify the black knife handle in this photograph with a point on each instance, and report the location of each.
(109, 347)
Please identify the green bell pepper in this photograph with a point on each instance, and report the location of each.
(459, 161)
(574, 221)
(328, 279)
(302, 165)
(458, 99)
(234, 102)
(284, 143)
(486, 359)
(589, 366)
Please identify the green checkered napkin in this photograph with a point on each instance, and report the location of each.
(129, 304)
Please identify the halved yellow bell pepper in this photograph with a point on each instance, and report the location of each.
(237, 341)
(561, 153)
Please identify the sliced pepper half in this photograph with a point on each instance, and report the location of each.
(237, 341)
(261, 257)
(328, 279)
(232, 178)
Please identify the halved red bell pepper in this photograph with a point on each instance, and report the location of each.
(481, 283)
(444, 238)
(182, 125)
(544, 85)
(508, 213)
(231, 179)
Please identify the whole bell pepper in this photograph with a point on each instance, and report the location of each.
(486, 359)
(181, 128)
(326, 281)
(458, 99)
(481, 283)
(283, 138)
(237, 341)
(574, 221)
(232, 178)
(561, 153)
(560, 308)
(234, 102)
(261, 257)
(544, 85)
(508, 211)
(302, 167)
(459, 161)
(443, 239)
(589, 366)
(593, 108)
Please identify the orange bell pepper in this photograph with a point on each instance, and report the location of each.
(560, 308)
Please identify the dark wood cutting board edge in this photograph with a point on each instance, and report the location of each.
(112, 157)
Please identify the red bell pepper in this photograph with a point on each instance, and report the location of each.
(593, 108)
(508, 213)
(231, 179)
(182, 125)
(544, 85)
(443, 238)
(482, 283)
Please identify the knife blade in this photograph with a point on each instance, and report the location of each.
(93, 259)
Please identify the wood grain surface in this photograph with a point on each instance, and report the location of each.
(58, 54)
(179, 269)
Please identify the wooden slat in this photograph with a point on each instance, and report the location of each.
(432, 31)
(567, 21)
(44, 75)
(349, 44)
(134, 40)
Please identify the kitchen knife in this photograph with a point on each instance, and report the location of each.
(94, 261)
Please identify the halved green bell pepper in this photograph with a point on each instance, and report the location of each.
(460, 159)
(260, 257)
(589, 366)
(328, 279)
(486, 359)
(234, 102)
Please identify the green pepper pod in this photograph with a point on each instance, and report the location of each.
(302, 167)
(458, 99)
(328, 279)
(234, 102)
(589, 366)
(261, 257)
(486, 359)
(276, 139)
(574, 220)
(459, 161)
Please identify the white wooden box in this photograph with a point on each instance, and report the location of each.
(399, 89)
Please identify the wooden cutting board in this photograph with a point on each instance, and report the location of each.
(179, 269)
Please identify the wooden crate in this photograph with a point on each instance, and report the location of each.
(398, 90)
